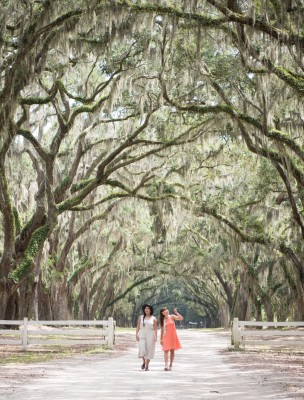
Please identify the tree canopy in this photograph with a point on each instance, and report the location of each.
(152, 151)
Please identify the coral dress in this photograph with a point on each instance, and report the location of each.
(170, 339)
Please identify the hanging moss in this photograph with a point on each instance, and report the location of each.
(31, 252)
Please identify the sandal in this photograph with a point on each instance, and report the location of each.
(143, 366)
(166, 368)
(147, 368)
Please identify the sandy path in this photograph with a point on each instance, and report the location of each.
(200, 372)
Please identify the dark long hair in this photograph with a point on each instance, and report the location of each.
(143, 309)
(161, 316)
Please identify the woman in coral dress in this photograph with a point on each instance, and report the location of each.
(168, 337)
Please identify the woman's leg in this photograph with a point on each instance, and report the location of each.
(171, 358)
(166, 353)
(147, 364)
(142, 351)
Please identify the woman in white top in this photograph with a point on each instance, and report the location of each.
(146, 335)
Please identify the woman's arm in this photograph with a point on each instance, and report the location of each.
(155, 329)
(137, 328)
(177, 315)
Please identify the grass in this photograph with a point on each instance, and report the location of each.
(35, 354)
(13, 355)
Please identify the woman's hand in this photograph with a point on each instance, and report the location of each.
(178, 316)
(137, 337)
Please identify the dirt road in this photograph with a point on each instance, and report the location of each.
(199, 372)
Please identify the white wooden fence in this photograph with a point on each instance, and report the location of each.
(270, 337)
(47, 332)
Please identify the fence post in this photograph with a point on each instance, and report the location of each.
(24, 336)
(235, 333)
(110, 333)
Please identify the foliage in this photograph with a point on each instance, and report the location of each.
(152, 152)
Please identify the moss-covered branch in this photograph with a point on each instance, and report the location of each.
(296, 81)
(130, 288)
(258, 24)
(248, 119)
(35, 244)
(40, 100)
(74, 201)
(255, 237)
(203, 20)
(37, 146)
(8, 222)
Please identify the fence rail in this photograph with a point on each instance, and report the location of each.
(242, 336)
(46, 332)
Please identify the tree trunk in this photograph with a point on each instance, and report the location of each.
(299, 305)
(12, 310)
(26, 299)
(104, 311)
(61, 310)
(3, 298)
(241, 308)
(7, 220)
(44, 304)
(266, 301)
(258, 307)
(298, 280)
(224, 315)
(84, 305)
